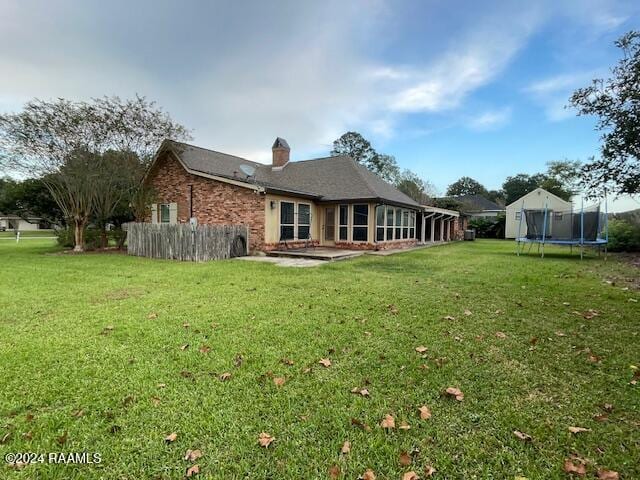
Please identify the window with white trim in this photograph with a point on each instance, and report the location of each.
(412, 224)
(389, 236)
(287, 221)
(360, 230)
(518, 215)
(380, 215)
(405, 224)
(164, 213)
(304, 221)
(343, 233)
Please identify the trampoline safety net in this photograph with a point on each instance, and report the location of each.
(587, 225)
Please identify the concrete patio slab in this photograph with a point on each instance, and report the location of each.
(286, 261)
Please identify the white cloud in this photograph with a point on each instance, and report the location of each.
(553, 93)
(490, 119)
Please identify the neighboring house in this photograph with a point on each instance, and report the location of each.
(13, 222)
(331, 201)
(476, 206)
(538, 199)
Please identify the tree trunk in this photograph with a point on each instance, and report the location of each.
(79, 236)
(104, 241)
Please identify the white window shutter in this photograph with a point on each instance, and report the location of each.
(154, 213)
(173, 213)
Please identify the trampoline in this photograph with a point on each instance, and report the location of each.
(585, 228)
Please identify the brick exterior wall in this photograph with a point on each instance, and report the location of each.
(377, 246)
(214, 202)
(290, 244)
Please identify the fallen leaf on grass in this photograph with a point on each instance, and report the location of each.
(225, 376)
(62, 439)
(76, 413)
(5, 438)
(360, 391)
(358, 423)
(405, 459)
(448, 317)
(421, 349)
(468, 312)
(171, 437)
(287, 361)
(18, 465)
(410, 476)
(404, 426)
(346, 447)
(607, 474)
(607, 407)
(575, 430)
(264, 439)
(577, 468)
(455, 392)
(429, 471)
(501, 335)
(184, 347)
(561, 334)
(162, 385)
(205, 349)
(156, 401)
(388, 422)
(425, 412)
(334, 472)
(602, 417)
(192, 455)
(368, 475)
(522, 436)
(278, 381)
(325, 362)
(28, 435)
(192, 471)
(152, 315)
(593, 358)
(392, 309)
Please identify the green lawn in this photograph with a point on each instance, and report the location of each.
(28, 233)
(98, 334)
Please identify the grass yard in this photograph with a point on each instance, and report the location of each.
(27, 234)
(93, 359)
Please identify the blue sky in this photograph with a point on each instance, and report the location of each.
(450, 88)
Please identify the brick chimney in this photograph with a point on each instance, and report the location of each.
(281, 152)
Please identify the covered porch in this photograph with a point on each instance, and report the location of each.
(436, 225)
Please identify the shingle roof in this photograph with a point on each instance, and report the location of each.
(476, 202)
(338, 178)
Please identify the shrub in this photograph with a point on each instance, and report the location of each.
(488, 228)
(66, 238)
(623, 236)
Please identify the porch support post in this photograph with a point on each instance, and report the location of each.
(442, 229)
(424, 229)
(433, 228)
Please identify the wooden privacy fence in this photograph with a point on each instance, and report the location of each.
(187, 242)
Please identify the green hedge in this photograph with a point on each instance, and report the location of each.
(623, 236)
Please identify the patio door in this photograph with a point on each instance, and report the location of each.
(329, 225)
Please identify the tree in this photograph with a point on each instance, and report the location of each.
(616, 103)
(354, 145)
(519, 185)
(496, 196)
(567, 174)
(385, 166)
(467, 186)
(415, 187)
(64, 143)
(29, 198)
